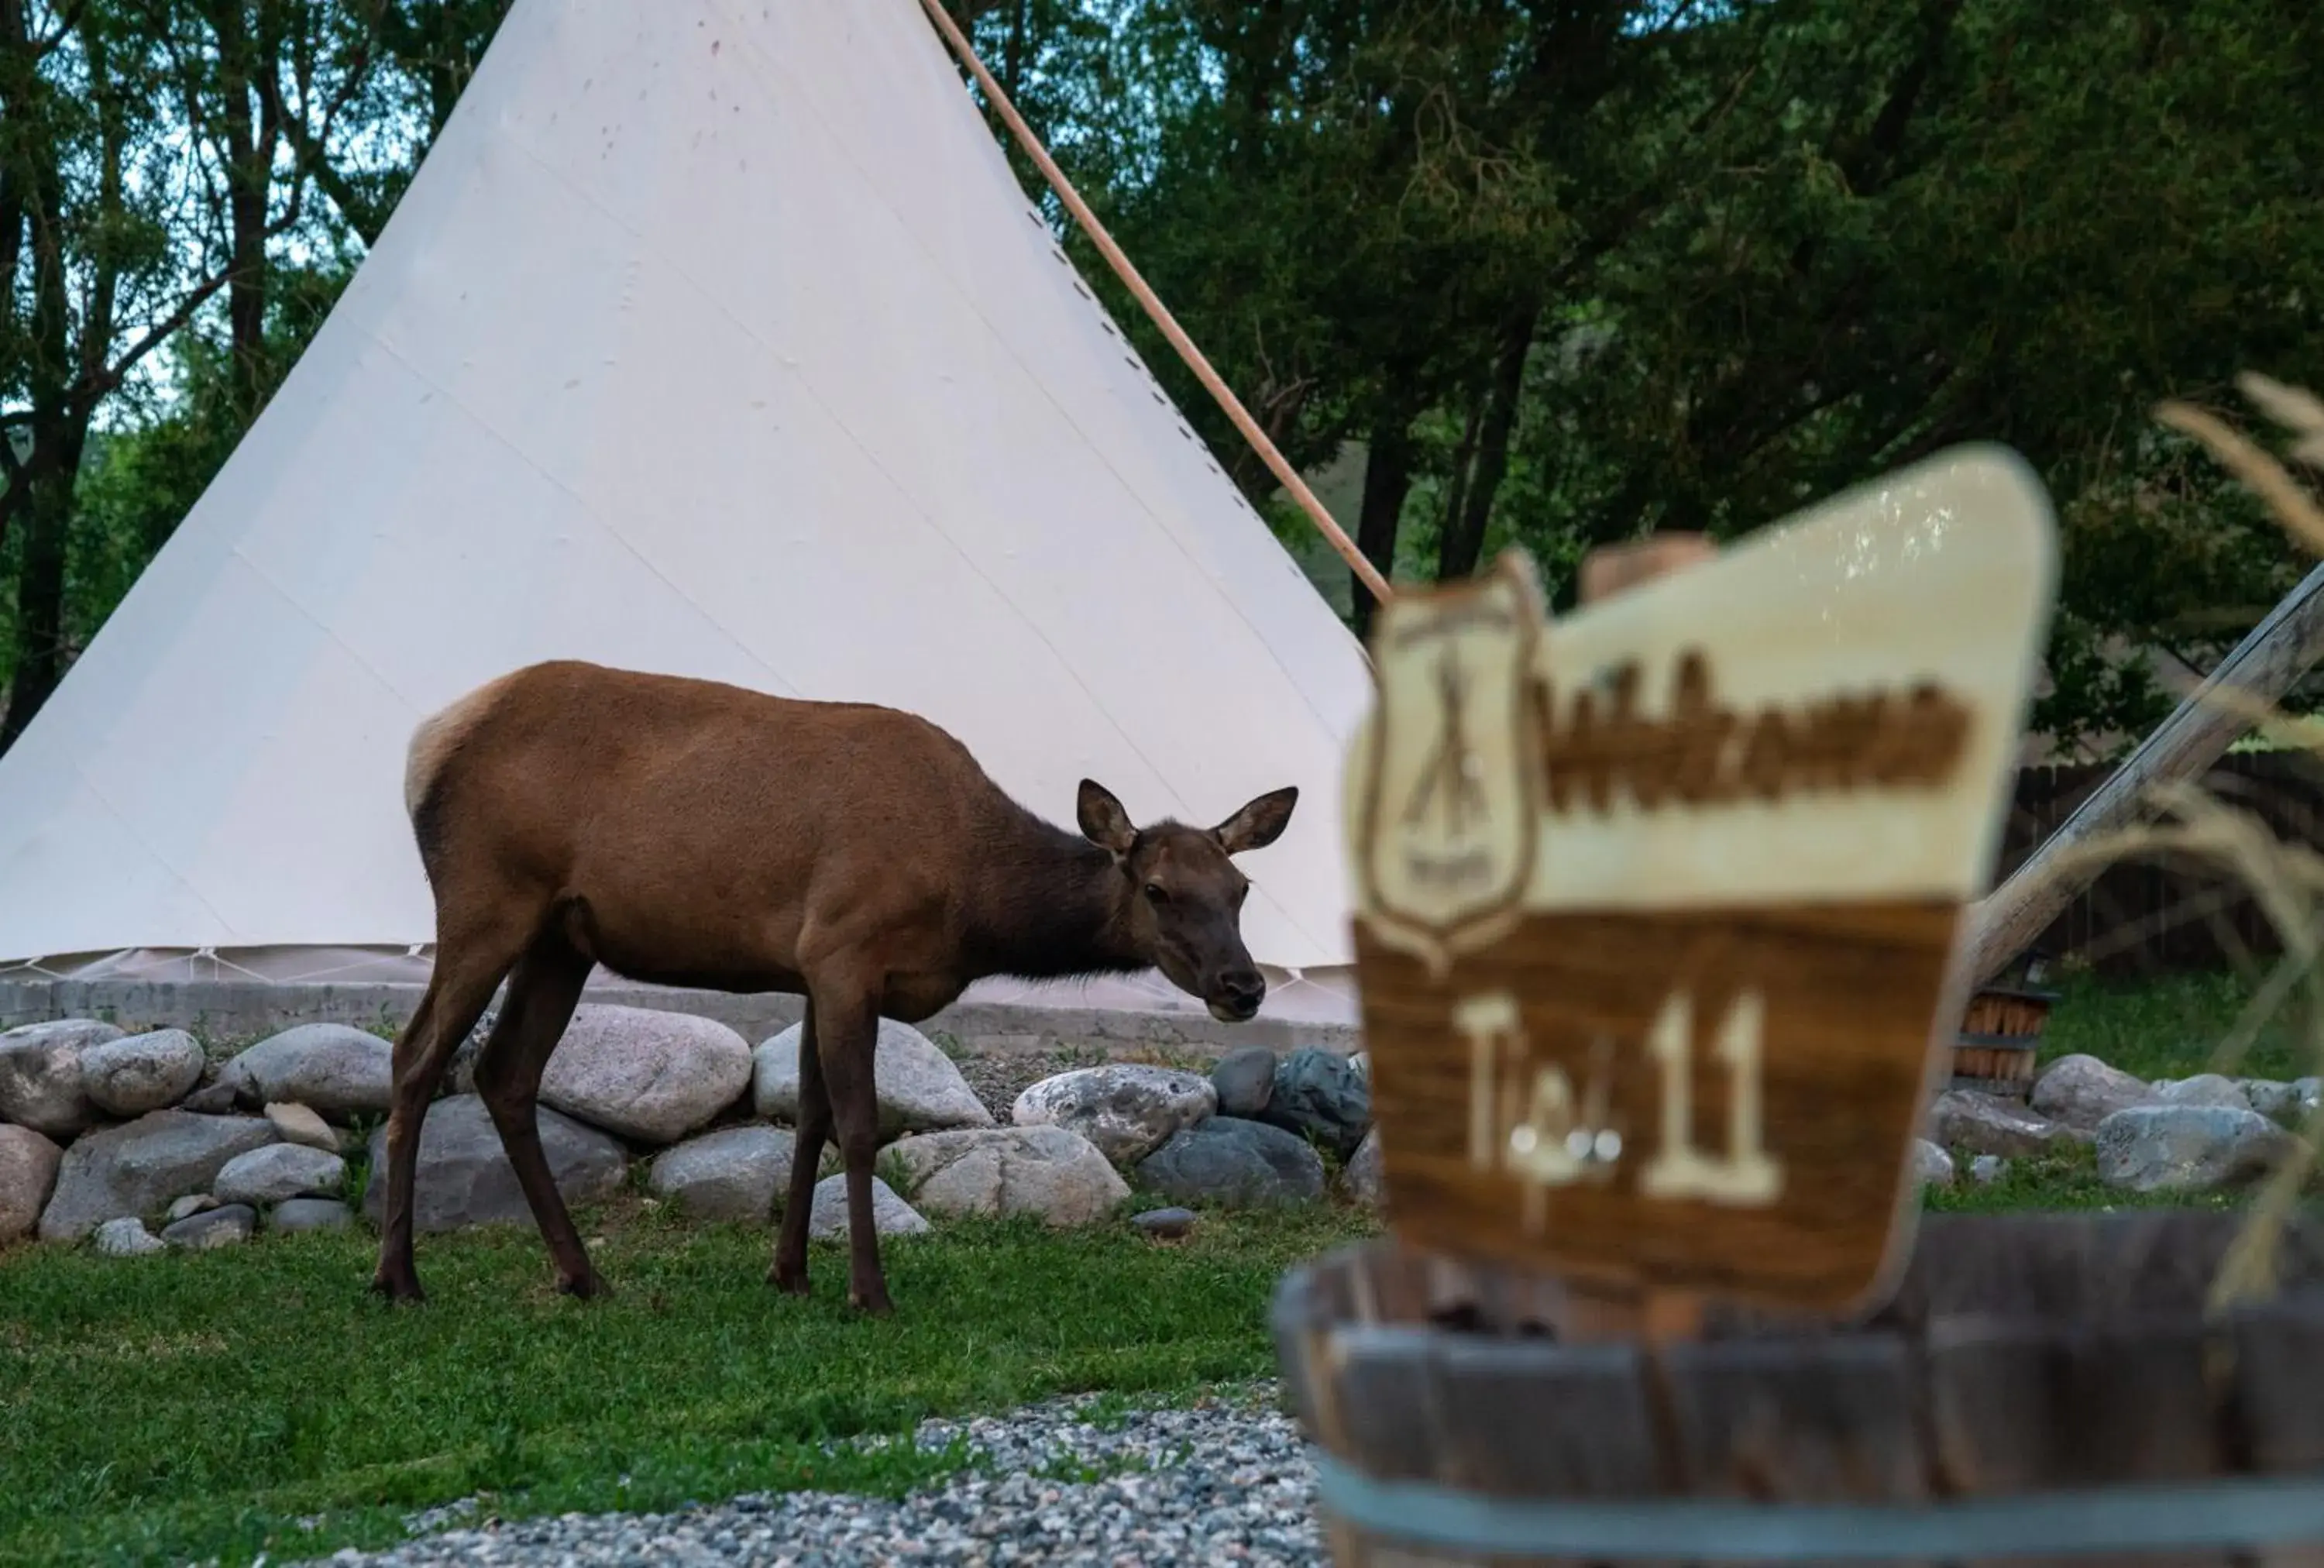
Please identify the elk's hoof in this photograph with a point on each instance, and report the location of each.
(788, 1283)
(872, 1302)
(590, 1286)
(402, 1289)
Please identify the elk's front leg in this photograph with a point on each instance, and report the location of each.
(789, 1273)
(847, 1028)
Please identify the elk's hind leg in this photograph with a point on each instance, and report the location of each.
(469, 966)
(542, 992)
(789, 1273)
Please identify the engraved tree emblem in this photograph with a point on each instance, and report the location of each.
(1453, 767)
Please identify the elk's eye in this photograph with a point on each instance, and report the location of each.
(1155, 894)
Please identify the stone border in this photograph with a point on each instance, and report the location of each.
(237, 1007)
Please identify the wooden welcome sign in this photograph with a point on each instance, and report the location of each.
(1656, 905)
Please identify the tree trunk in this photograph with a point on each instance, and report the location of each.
(1388, 480)
(41, 591)
(1464, 536)
(249, 179)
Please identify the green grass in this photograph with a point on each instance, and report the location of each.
(216, 1405)
(2171, 1028)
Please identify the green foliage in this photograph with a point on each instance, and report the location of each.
(1538, 275)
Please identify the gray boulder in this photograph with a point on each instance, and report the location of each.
(2080, 1091)
(42, 1084)
(2287, 1105)
(297, 1215)
(645, 1074)
(137, 1167)
(1050, 1172)
(140, 1073)
(2189, 1148)
(28, 1174)
(737, 1174)
(919, 1089)
(827, 1218)
(280, 1172)
(337, 1071)
(1318, 1094)
(1365, 1175)
(126, 1238)
(2202, 1089)
(185, 1208)
(1244, 1079)
(1932, 1166)
(1229, 1161)
(1962, 1118)
(1987, 1169)
(300, 1124)
(464, 1177)
(220, 1227)
(1128, 1109)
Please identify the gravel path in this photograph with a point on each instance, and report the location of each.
(1225, 1481)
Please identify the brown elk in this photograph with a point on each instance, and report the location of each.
(686, 833)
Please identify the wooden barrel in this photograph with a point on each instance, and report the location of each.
(2041, 1388)
(2000, 1035)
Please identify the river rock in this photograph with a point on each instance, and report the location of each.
(464, 1175)
(1318, 1094)
(41, 1084)
(189, 1206)
(1987, 1169)
(1932, 1166)
(134, 1074)
(2080, 1092)
(294, 1216)
(28, 1174)
(2286, 1104)
(1962, 1118)
(1244, 1079)
(337, 1071)
(280, 1172)
(919, 1089)
(2189, 1148)
(826, 1220)
(1052, 1173)
(138, 1166)
(1229, 1161)
(1164, 1224)
(736, 1174)
(220, 1227)
(1365, 1175)
(300, 1124)
(2202, 1089)
(1128, 1109)
(645, 1074)
(126, 1238)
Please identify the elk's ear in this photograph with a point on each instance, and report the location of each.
(1259, 824)
(1102, 820)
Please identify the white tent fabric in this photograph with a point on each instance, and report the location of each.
(713, 339)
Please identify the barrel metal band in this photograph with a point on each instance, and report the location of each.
(2231, 1511)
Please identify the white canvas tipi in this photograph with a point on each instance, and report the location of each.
(713, 339)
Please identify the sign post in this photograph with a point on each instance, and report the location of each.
(1657, 905)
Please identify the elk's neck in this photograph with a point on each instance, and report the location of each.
(1045, 905)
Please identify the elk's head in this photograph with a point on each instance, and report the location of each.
(1185, 896)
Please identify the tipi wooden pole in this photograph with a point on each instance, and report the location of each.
(2260, 669)
(1368, 574)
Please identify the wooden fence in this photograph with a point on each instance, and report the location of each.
(2161, 914)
